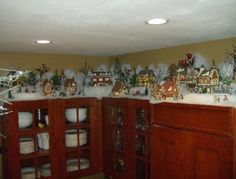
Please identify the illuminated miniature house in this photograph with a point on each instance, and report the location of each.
(119, 89)
(48, 88)
(70, 86)
(146, 78)
(207, 79)
(101, 78)
(169, 89)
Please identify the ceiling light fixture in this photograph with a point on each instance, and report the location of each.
(43, 41)
(157, 21)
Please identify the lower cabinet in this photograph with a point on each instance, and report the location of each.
(185, 144)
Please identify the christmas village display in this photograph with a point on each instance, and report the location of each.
(175, 82)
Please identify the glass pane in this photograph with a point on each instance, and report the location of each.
(84, 137)
(140, 145)
(44, 167)
(118, 162)
(77, 115)
(140, 169)
(43, 141)
(27, 145)
(25, 119)
(72, 162)
(28, 169)
(85, 158)
(140, 119)
(40, 119)
(119, 138)
(71, 138)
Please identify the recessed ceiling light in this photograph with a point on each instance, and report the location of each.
(43, 41)
(157, 21)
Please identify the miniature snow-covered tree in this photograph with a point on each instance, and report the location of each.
(231, 58)
(133, 78)
(56, 79)
(228, 70)
(85, 74)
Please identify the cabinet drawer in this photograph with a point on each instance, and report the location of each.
(208, 119)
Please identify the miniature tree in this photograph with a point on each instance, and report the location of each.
(56, 79)
(231, 58)
(32, 78)
(133, 78)
(85, 73)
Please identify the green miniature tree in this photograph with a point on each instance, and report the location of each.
(32, 78)
(56, 79)
(133, 78)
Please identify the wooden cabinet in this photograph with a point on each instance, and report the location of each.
(61, 140)
(191, 141)
(126, 138)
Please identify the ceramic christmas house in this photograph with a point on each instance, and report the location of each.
(214, 77)
(48, 88)
(146, 78)
(101, 78)
(168, 90)
(192, 78)
(207, 80)
(119, 89)
(70, 86)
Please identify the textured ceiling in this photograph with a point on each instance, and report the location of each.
(111, 27)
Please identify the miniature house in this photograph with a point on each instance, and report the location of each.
(101, 78)
(215, 77)
(169, 89)
(207, 79)
(192, 78)
(146, 78)
(48, 88)
(70, 86)
(119, 89)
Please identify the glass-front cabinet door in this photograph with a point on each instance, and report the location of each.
(29, 134)
(114, 133)
(142, 138)
(79, 136)
(126, 132)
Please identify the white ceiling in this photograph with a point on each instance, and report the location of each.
(111, 27)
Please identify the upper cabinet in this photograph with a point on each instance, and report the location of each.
(52, 138)
(126, 124)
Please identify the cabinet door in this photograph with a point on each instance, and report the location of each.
(167, 153)
(30, 136)
(139, 138)
(209, 157)
(115, 138)
(78, 137)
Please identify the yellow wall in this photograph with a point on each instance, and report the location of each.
(209, 50)
(29, 61)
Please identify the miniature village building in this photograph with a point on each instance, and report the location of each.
(215, 77)
(101, 78)
(119, 89)
(146, 78)
(70, 86)
(181, 75)
(192, 78)
(207, 80)
(48, 88)
(169, 89)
